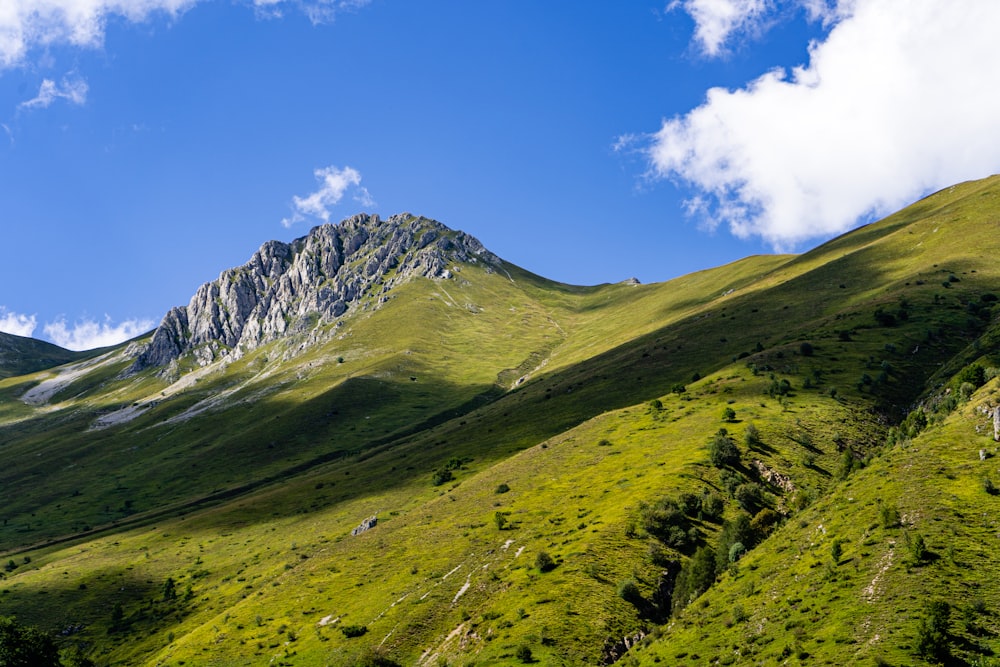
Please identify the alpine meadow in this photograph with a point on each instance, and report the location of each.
(382, 444)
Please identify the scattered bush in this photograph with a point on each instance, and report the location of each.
(889, 516)
(695, 577)
(544, 562)
(689, 503)
(918, 549)
(628, 590)
(806, 349)
(764, 522)
(749, 496)
(25, 645)
(836, 550)
(354, 630)
(442, 476)
(723, 451)
(729, 414)
(932, 636)
(989, 487)
(712, 506)
(751, 436)
(503, 488)
(523, 653)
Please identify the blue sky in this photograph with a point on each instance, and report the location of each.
(147, 145)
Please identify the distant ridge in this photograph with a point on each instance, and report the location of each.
(20, 355)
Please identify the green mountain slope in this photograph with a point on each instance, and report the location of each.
(547, 469)
(20, 355)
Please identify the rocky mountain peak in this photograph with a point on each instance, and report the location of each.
(310, 282)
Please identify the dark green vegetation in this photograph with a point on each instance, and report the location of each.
(786, 460)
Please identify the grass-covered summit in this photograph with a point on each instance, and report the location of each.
(785, 460)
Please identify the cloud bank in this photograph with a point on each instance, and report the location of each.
(16, 323)
(900, 98)
(334, 184)
(88, 334)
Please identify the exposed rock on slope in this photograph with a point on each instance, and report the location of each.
(297, 286)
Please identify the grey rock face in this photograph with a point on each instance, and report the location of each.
(299, 286)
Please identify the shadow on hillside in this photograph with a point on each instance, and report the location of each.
(398, 431)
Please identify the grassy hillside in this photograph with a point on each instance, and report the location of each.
(548, 470)
(20, 355)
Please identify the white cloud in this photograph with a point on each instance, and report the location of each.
(87, 334)
(73, 89)
(334, 184)
(900, 98)
(16, 323)
(28, 25)
(717, 20)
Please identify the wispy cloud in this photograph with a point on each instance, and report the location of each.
(16, 323)
(334, 184)
(27, 25)
(885, 110)
(716, 21)
(318, 11)
(73, 89)
(88, 334)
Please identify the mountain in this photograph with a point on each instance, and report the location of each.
(308, 284)
(381, 444)
(20, 355)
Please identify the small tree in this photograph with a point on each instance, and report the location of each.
(169, 589)
(723, 451)
(932, 637)
(523, 653)
(442, 476)
(918, 549)
(729, 414)
(836, 550)
(25, 646)
(500, 519)
(751, 436)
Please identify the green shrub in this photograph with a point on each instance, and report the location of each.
(523, 653)
(354, 630)
(806, 349)
(918, 549)
(749, 496)
(836, 550)
(695, 577)
(723, 451)
(729, 414)
(544, 562)
(442, 476)
(628, 590)
(932, 636)
(712, 506)
(889, 516)
(25, 645)
(503, 488)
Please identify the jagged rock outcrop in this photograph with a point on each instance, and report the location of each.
(310, 282)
